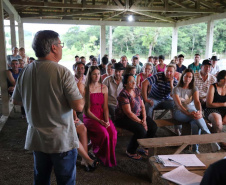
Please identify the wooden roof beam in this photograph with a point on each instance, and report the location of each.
(154, 15)
(114, 15)
(177, 2)
(7, 6)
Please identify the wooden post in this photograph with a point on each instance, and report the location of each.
(21, 34)
(12, 30)
(110, 42)
(102, 41)
(3, 66)
(174, 42)
(209, 39)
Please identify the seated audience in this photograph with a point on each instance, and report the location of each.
(176, 60)
(87, 162)
(24, 57)
(77, 59)
(203, 79)
(135, 63)
(83, 59)
(113, 61)
(21, 63)
(161, 86)
(110, 71)
(130, 70)
(114, 85)
(14, 56)
(89, 63)
(140, 63)
(216, 104)
(214, 68)
(188, 108)
(124, 61)
(180, 66)
(12, 75)
(151, 60)
(131, 115)
(100, 128)
(80, 78)
(177, 75)
(215, 174)
(195, 66)
(31, 59)
(156, 61)
(148, 69)
(102, 66)
(161, 66)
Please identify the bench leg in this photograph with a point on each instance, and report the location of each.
(152, 152)
(181, 148)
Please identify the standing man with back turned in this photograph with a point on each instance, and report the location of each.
(49, 92)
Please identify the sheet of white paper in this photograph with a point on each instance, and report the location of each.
(181, 175)
(184, 159)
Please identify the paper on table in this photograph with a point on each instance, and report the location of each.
(181, 175)
(184, 159)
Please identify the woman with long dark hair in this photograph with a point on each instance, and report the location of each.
(216, 104)
(100, 128)
(188, 107)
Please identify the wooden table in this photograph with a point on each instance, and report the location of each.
(156, 170)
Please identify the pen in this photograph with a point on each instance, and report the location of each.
(171, 160)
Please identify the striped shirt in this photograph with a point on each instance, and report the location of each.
(203, 86)
(160, 88)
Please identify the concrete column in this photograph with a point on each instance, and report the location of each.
(174, 42)
(110, 42)
(21, 34)
(102, 41)
(3, 65)
(12, 30)
(209, 39)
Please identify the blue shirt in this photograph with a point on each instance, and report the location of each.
(160, 88)
(181, 69)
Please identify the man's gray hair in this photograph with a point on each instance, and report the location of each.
(43, 42)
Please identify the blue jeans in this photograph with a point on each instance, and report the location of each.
(64, 165)
(161, 104)
(196, 125)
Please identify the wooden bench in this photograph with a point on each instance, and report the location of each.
(182, 141)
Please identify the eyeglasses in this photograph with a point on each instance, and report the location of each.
(62, 44)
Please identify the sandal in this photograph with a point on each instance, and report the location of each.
(133, 156)
(143, 151)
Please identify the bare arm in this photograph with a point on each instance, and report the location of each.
(210, 97)
(127, 110)
(144, 87)
(138, 81)
(105, 107)
(196, 101)
(10, 77)
(177, 100)
(77, 105)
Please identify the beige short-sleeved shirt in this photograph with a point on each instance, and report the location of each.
(203, 86)
(45, 88)
(113, 89)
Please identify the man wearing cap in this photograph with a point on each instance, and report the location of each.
(195, 66)
(203, 79)
(214, 68)
(102, 66)
(135, 62)
(114, 84)
(180, 66)
(140, 63)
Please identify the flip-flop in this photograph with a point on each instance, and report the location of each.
(134, 156)
(142, 151)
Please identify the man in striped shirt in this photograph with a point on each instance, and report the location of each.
(161, 86)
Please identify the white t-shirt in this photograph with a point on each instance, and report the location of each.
(45, 88)
(214, 70)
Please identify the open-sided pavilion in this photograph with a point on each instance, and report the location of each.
(146, 13)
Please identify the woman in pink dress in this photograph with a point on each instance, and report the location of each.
(161, 66)
(100, 128)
